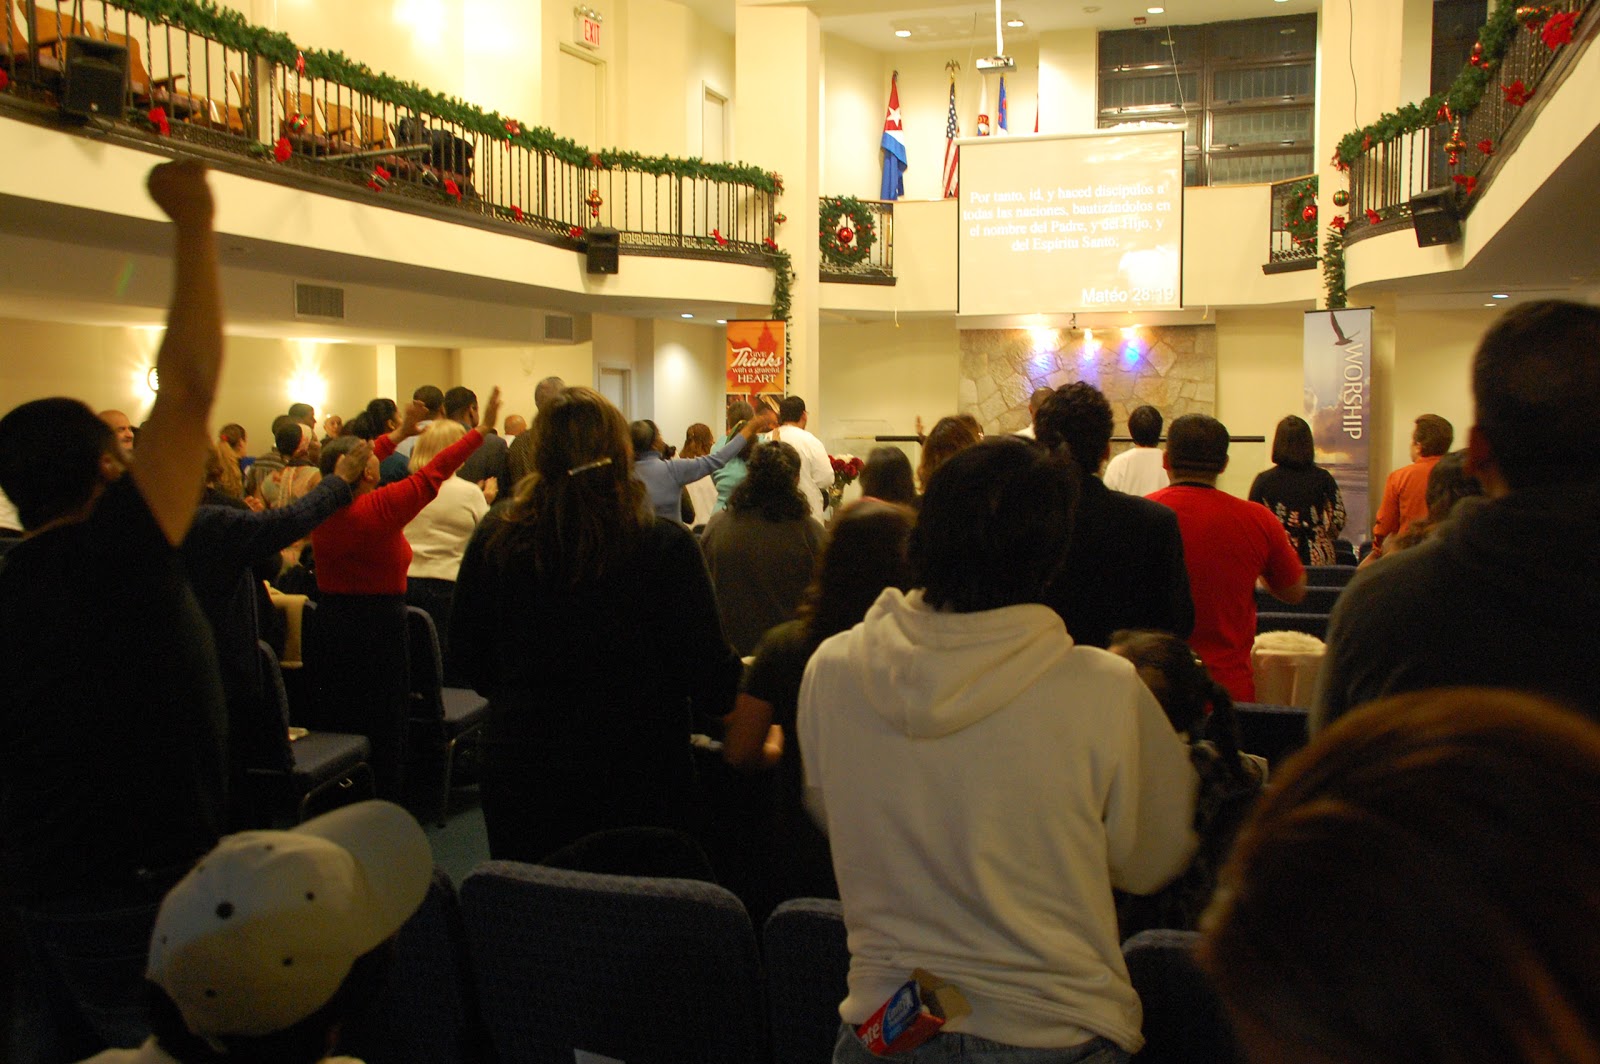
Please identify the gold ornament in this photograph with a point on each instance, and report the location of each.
(594, 201)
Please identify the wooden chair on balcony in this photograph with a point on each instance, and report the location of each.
(52, 29)
(313, 138)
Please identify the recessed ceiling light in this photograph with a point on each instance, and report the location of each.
(1155, 10)
(685, 315)
(1491, 304)
(902, 33)
(722, 321)
(1016, 23)
(1499, 295)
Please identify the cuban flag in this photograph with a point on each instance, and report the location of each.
(894, 147)
(952, 150)
(1004, 129)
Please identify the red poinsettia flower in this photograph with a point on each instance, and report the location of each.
(1558, 30)
(452, 189)
(513, 128)
(379, 179)
(772, 245)
(1468, 183)
(576, 232)
(1486, 146)
(516, 212)
(1338, 222)
(282, 150)
(722, 241)
(158, 118)
(1517, 93)
(1373, 217)
(5, 81)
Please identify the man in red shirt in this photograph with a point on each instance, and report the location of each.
(1227, 544)
(1405, 493)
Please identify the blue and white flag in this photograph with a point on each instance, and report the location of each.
(894, 147)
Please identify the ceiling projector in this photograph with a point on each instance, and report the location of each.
(997, 62)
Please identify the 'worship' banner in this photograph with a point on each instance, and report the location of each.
(1338, 359)
(755, 363)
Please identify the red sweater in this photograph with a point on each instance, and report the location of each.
(362, 549)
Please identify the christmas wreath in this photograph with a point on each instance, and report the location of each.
(845, 231)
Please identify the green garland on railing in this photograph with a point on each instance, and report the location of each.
(233, 30)
(1333, 268)
(782, 283)
(1464, 94)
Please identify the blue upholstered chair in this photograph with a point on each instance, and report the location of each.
(314, 773)
(1280, 620)
(440, 716)
(428, 1013)
(808, 968)
(1183, 1019)
(641, 970)
(1318, 600)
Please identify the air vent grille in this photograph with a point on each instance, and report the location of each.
(560, 328)
(323, 302)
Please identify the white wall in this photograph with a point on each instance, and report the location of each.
(517, 369)
(690, 377)
(855, 91)
(108, 366)
(878, 378)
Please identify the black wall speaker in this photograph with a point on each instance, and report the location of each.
(96, 78)
(1433, 216)
(600, 247)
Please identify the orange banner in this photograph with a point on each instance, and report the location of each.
(755, 362)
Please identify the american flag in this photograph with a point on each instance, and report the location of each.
(952, 150)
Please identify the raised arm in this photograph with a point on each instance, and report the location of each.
(173, 446)
(689, 470)
(257, 534)
(410, 421)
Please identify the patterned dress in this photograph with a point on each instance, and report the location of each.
(1307, 502)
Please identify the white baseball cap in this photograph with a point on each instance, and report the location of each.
(266, 927)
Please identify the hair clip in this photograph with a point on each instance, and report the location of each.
(596, 464)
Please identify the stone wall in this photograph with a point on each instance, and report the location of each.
(1173, 368)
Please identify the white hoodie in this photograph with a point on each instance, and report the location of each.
(986, 784)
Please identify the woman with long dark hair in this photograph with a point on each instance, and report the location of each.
(950, 436)
(865, 553)
(1303, 496)
(1201, 712)
(887, 477)
(590, 626)
(762, 548)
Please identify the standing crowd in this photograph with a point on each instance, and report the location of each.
(990, 706)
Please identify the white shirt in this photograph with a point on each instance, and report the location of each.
(986, 783)
(1026, 433)
(439, 534)
(1137, 471)
(816, 472)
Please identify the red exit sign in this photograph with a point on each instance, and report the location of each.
(588, 28)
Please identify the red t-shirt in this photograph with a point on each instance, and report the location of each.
(1227, 544)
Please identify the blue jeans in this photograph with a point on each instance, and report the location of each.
(970, 1048)
(80, 979)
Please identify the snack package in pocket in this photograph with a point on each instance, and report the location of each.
(912, 1015)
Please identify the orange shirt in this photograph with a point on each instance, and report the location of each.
(1405, 498)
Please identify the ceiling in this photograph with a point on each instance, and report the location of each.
(942, 23)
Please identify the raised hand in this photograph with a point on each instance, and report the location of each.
(491, 411)
(352, 465)
(180, 189)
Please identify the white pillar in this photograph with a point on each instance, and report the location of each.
(777, 122)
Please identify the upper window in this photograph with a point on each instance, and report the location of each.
(1455, 30)
(1245, 93)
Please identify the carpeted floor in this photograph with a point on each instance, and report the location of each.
(461, 845)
